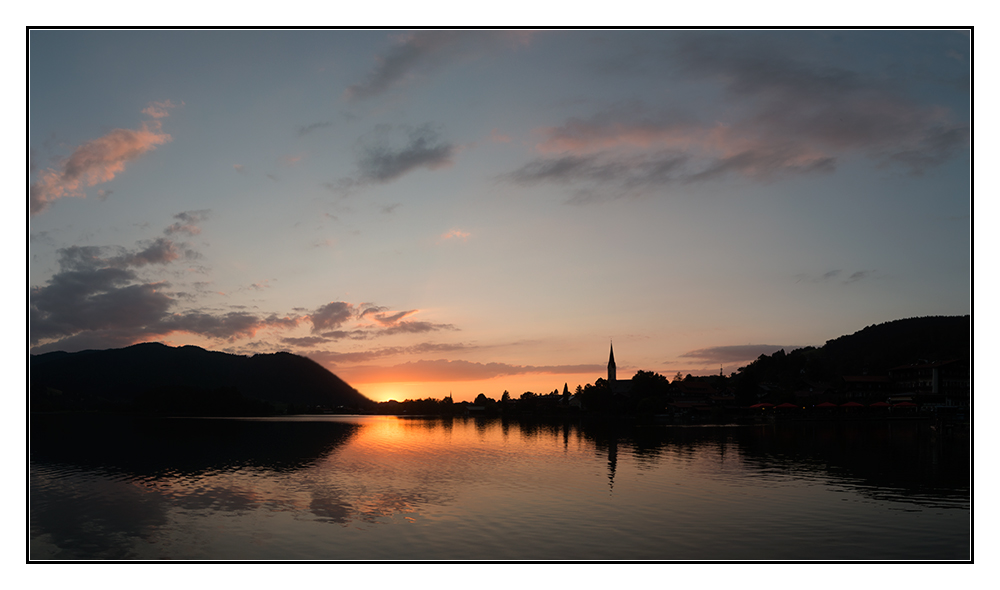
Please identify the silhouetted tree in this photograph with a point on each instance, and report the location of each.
(649, 384)
(597, 397)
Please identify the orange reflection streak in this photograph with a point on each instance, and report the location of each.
(408, 468)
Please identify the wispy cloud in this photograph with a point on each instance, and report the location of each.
(363, 356)
(95, 162)
(390, 320)
(412, 327)
(837, 275)
(328, 319)
(859, 276)
(306, 341)
(735, 354)
(159, 110)
(332, 315)
(419, 54)
(307, 129)
(823, 107)
(454, 234)
(258, 286)
(160, 251)
(786, 115)
(498, 137)
(230, 326)
(382, 157)
(187, 222)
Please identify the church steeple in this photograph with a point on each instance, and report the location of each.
(611, 365)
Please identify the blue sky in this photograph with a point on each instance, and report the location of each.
(469, 211)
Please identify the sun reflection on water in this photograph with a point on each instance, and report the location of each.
(413, 487)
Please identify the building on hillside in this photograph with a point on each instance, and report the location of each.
(866, 386)
(814, 392)
(693, 390)
(941, 381)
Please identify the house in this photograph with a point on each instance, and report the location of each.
(946, 381)
(866, 386)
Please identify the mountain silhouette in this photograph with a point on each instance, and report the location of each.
(874, 350)
(159, 378)
(880, 347)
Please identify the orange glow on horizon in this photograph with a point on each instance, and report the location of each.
(466, 391)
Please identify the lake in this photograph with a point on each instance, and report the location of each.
(414, 488)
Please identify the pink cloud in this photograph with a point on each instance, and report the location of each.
(622, 132)
(260, 285)
(158, 110)
(187, 223)
(94, 162)
(781, 127)
(582, 137)
(454, 234)
(498, 137)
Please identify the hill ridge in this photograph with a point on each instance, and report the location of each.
(154, 376)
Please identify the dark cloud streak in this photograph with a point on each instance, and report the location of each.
(187, 222)
(381, 162)
(421, 53)
(787, 114)
(735, 354)
(307, 129)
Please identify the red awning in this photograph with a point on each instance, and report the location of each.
(852, 405)
(787, 405)
(826, 405)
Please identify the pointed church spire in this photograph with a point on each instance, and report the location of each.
(612, 371)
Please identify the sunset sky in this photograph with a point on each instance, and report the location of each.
(448, 211)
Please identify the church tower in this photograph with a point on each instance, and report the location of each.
(611, 366)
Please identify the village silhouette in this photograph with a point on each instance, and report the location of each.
(917, 367)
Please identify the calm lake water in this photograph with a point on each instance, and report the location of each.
(388, 488)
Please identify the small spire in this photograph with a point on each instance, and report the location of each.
(612, 370)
